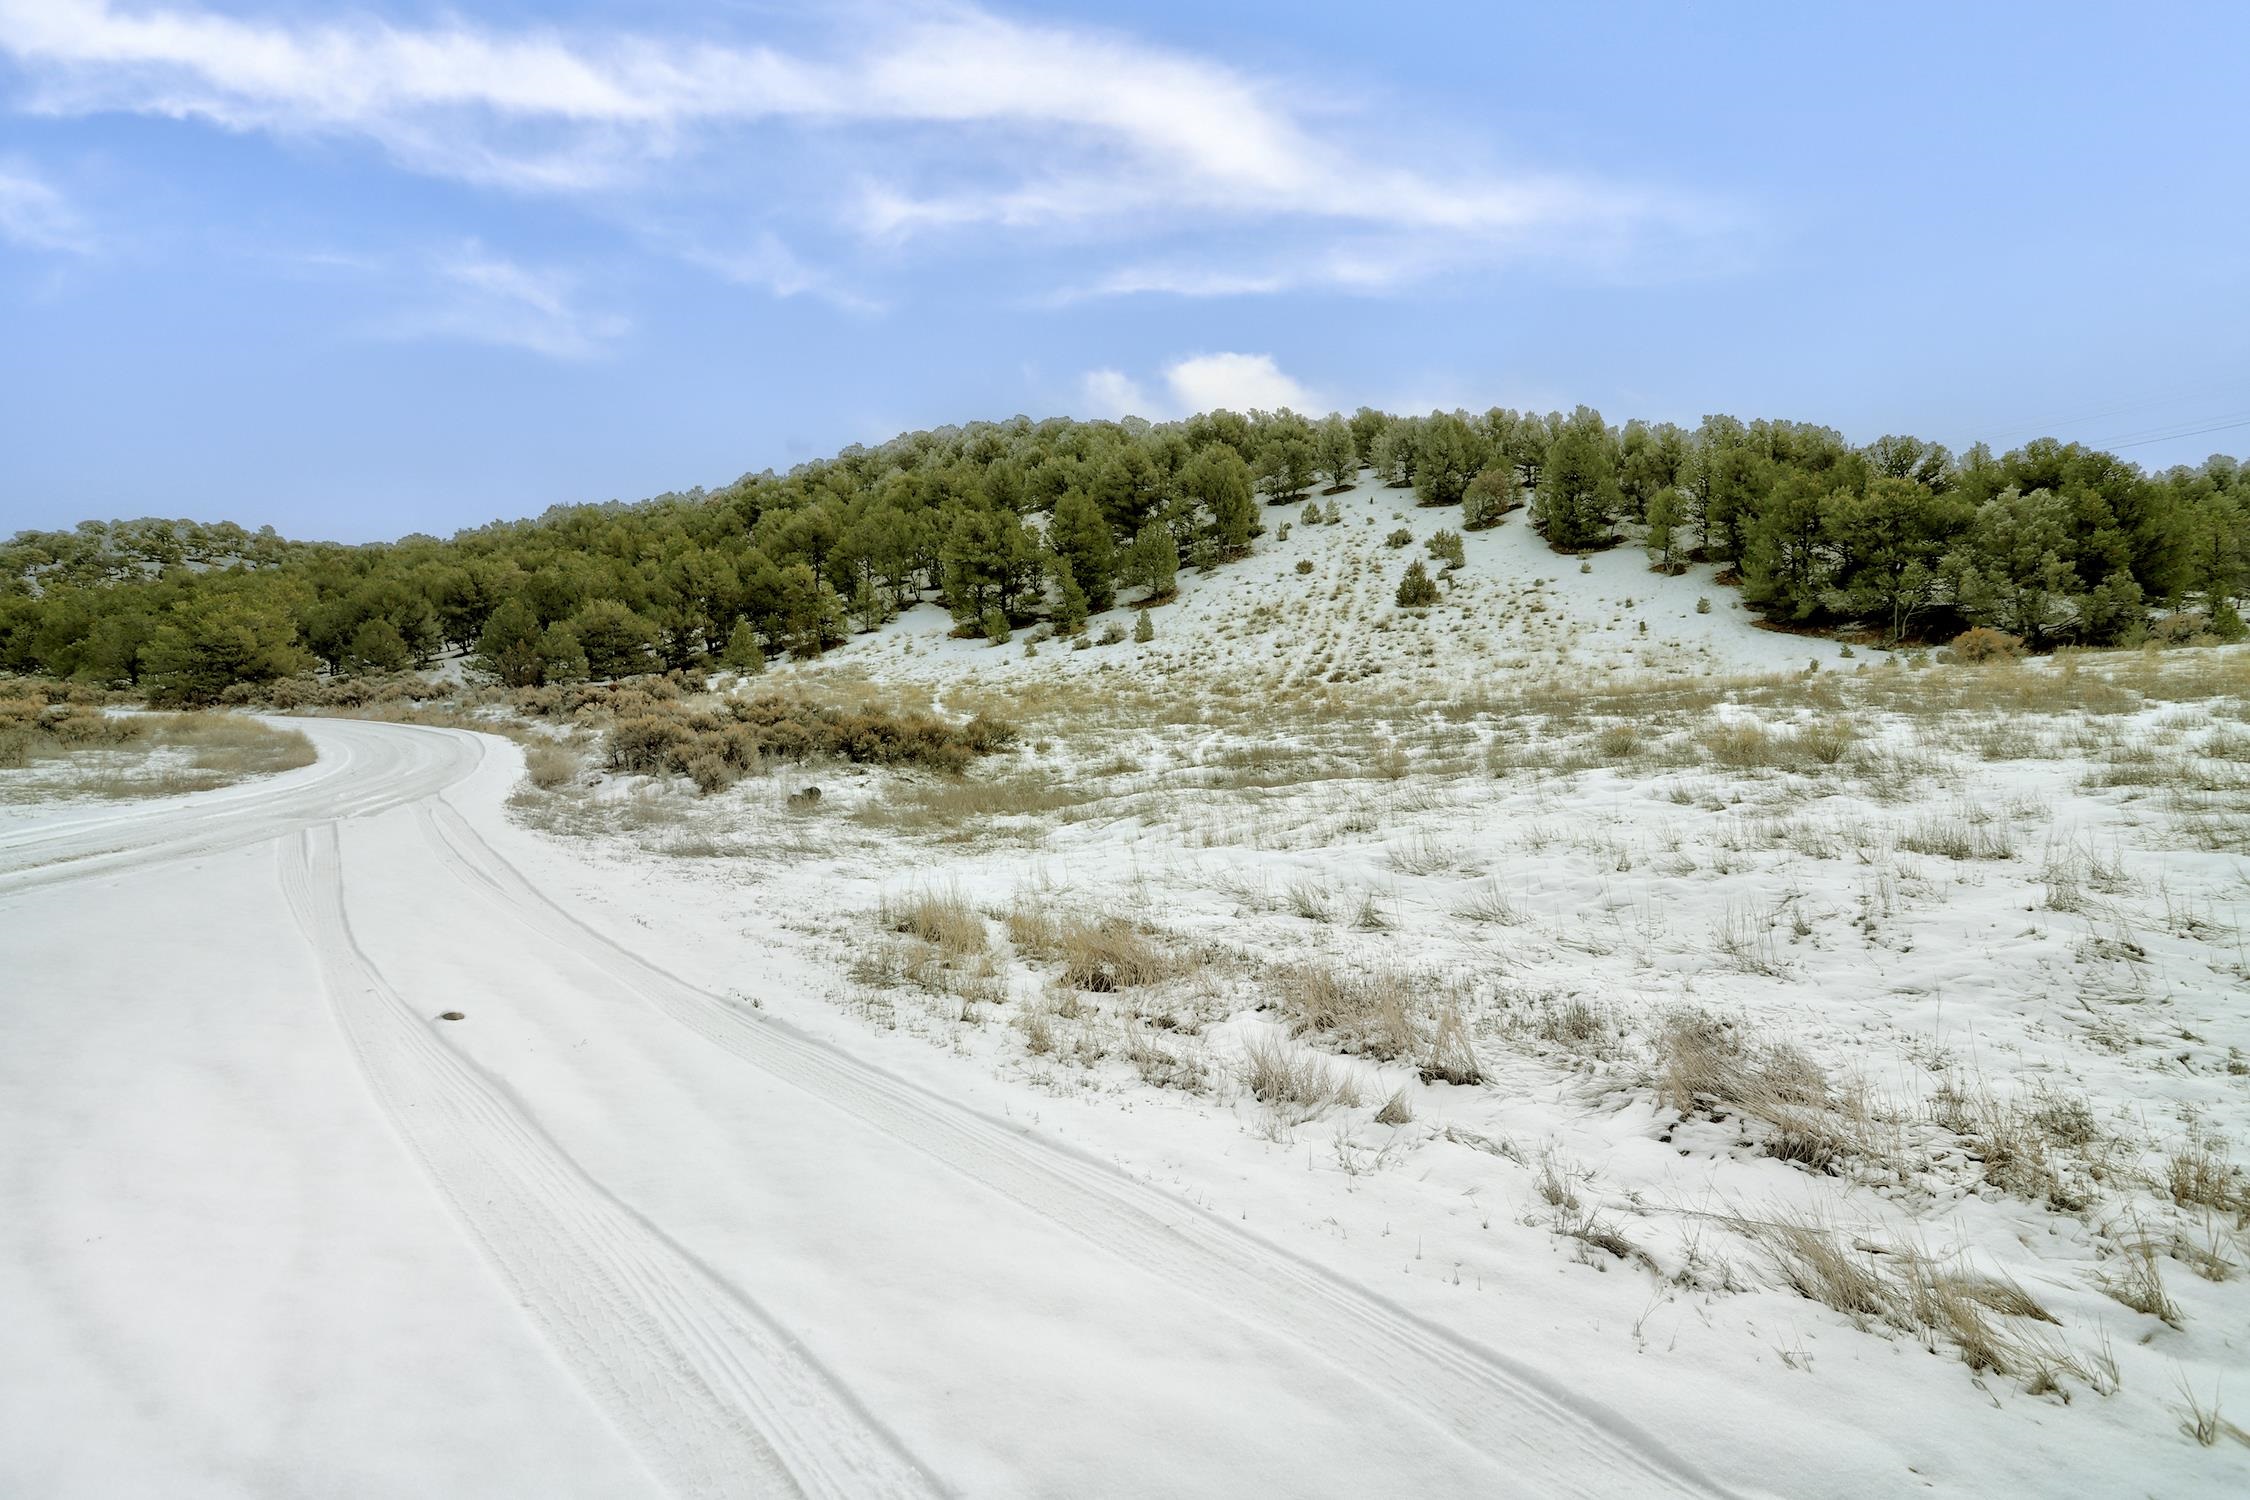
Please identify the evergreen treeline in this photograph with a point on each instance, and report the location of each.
(1006, 522)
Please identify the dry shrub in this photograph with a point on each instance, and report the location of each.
(1382, 1014)
(1983, 643)
(1817, 1264)
(230, 746)
(40, 724)
(298, 694)
(550, 766)
(716, 746)
(649, 745)
(1557, 1182)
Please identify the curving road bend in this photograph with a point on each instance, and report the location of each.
(267, 1226)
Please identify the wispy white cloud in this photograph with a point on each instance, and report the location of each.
(952, 120)
(768, 263)
(34, 215)
(1201, 382)
(474, 295)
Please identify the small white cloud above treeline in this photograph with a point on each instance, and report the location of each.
(1201, 382)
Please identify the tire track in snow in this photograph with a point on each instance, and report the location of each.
(1553, 1441)
(715, 1399)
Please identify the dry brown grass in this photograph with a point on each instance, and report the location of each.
(2137, 1279)
(1705, 1063)
(2198, 1175)
(1367, 1012)
(1280, 1074)
(1990, 1321)
(969, 807)
(1967, 833)
(1382, 1013)
(942, 919)
(1166, 1063)
(119, 756)
(1109, 954)
(1489, 904)
(2206, 1422)
(2041, 1145)
(1744, 745)
(1452, 1057)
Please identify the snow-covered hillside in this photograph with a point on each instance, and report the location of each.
(1514, 607)
(1337, 1050)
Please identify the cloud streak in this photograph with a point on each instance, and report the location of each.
(35, 216)
(953, 122)
(478, 297)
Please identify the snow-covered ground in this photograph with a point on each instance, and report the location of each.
(784, 1148)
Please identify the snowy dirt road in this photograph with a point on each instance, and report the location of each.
(268, 1225)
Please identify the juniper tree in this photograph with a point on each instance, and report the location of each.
(1338, 454)
(1153, 562)
(508, 647)
(1489, 496)
(1070, 607)
(1416, 589)
(1083, 553)
(1578, 492)
(1286, 464)
(1446, 455)
(743, 653)
(1664, 515)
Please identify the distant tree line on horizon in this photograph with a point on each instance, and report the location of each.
(1003, 523)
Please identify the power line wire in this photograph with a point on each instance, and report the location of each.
(2183, 393)
(2165, 437)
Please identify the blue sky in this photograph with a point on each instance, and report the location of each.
(359, 271)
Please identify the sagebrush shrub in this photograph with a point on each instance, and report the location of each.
(1982, 643)
(716, 747)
